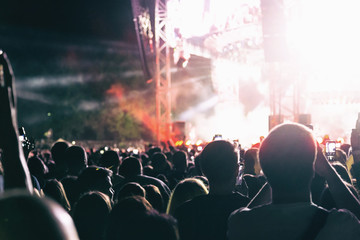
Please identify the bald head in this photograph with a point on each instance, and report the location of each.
(287, 156)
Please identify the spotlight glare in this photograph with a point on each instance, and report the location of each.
(319, 140)
(199, 142)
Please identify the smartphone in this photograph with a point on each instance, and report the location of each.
(22, 136)
(330, 148)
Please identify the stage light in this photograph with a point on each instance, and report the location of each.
(199, 142)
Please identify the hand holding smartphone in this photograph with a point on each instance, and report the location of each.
(330, 149)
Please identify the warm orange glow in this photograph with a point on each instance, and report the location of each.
(179, 143)
(135, 104)
(340, 140)
(117, 90)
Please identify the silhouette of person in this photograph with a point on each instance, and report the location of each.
(287, 158)
(205, 216)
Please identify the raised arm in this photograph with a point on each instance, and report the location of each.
(16, 173)
(341, 194)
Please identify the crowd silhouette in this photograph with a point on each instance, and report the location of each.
(285, 188)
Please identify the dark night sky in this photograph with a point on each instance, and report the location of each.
(109, 19)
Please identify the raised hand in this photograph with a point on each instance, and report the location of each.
(341, 194)
(322, 165)
(8, 118)
(16, 173)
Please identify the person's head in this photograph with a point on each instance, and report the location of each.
(340, 156)
(91, 214)
(96, 179)
(130, 167)
(153, 150)
(219, 163)
(133, 218)
(58, 152)
(197, 165)
(179, 160)
(185, 190)
(45, 155)
(130, 206)
(131, 189)
(76, 159)
(110, 160)
(25, 216)
(157, 226)
(55, 190)
(144, 159)
(126, 212)
(153, 195)
(251, 162)
(169, 156)
(160, 163)
(37, 167)
(287, 157)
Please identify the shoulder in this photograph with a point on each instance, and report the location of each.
(240, 221)
(246, 213)
(344, 216)
(340, 224)
(152, 180)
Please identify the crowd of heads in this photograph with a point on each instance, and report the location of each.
(285, 188)
(115, 194)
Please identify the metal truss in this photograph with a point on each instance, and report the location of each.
(286, 92)
(162, 73)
